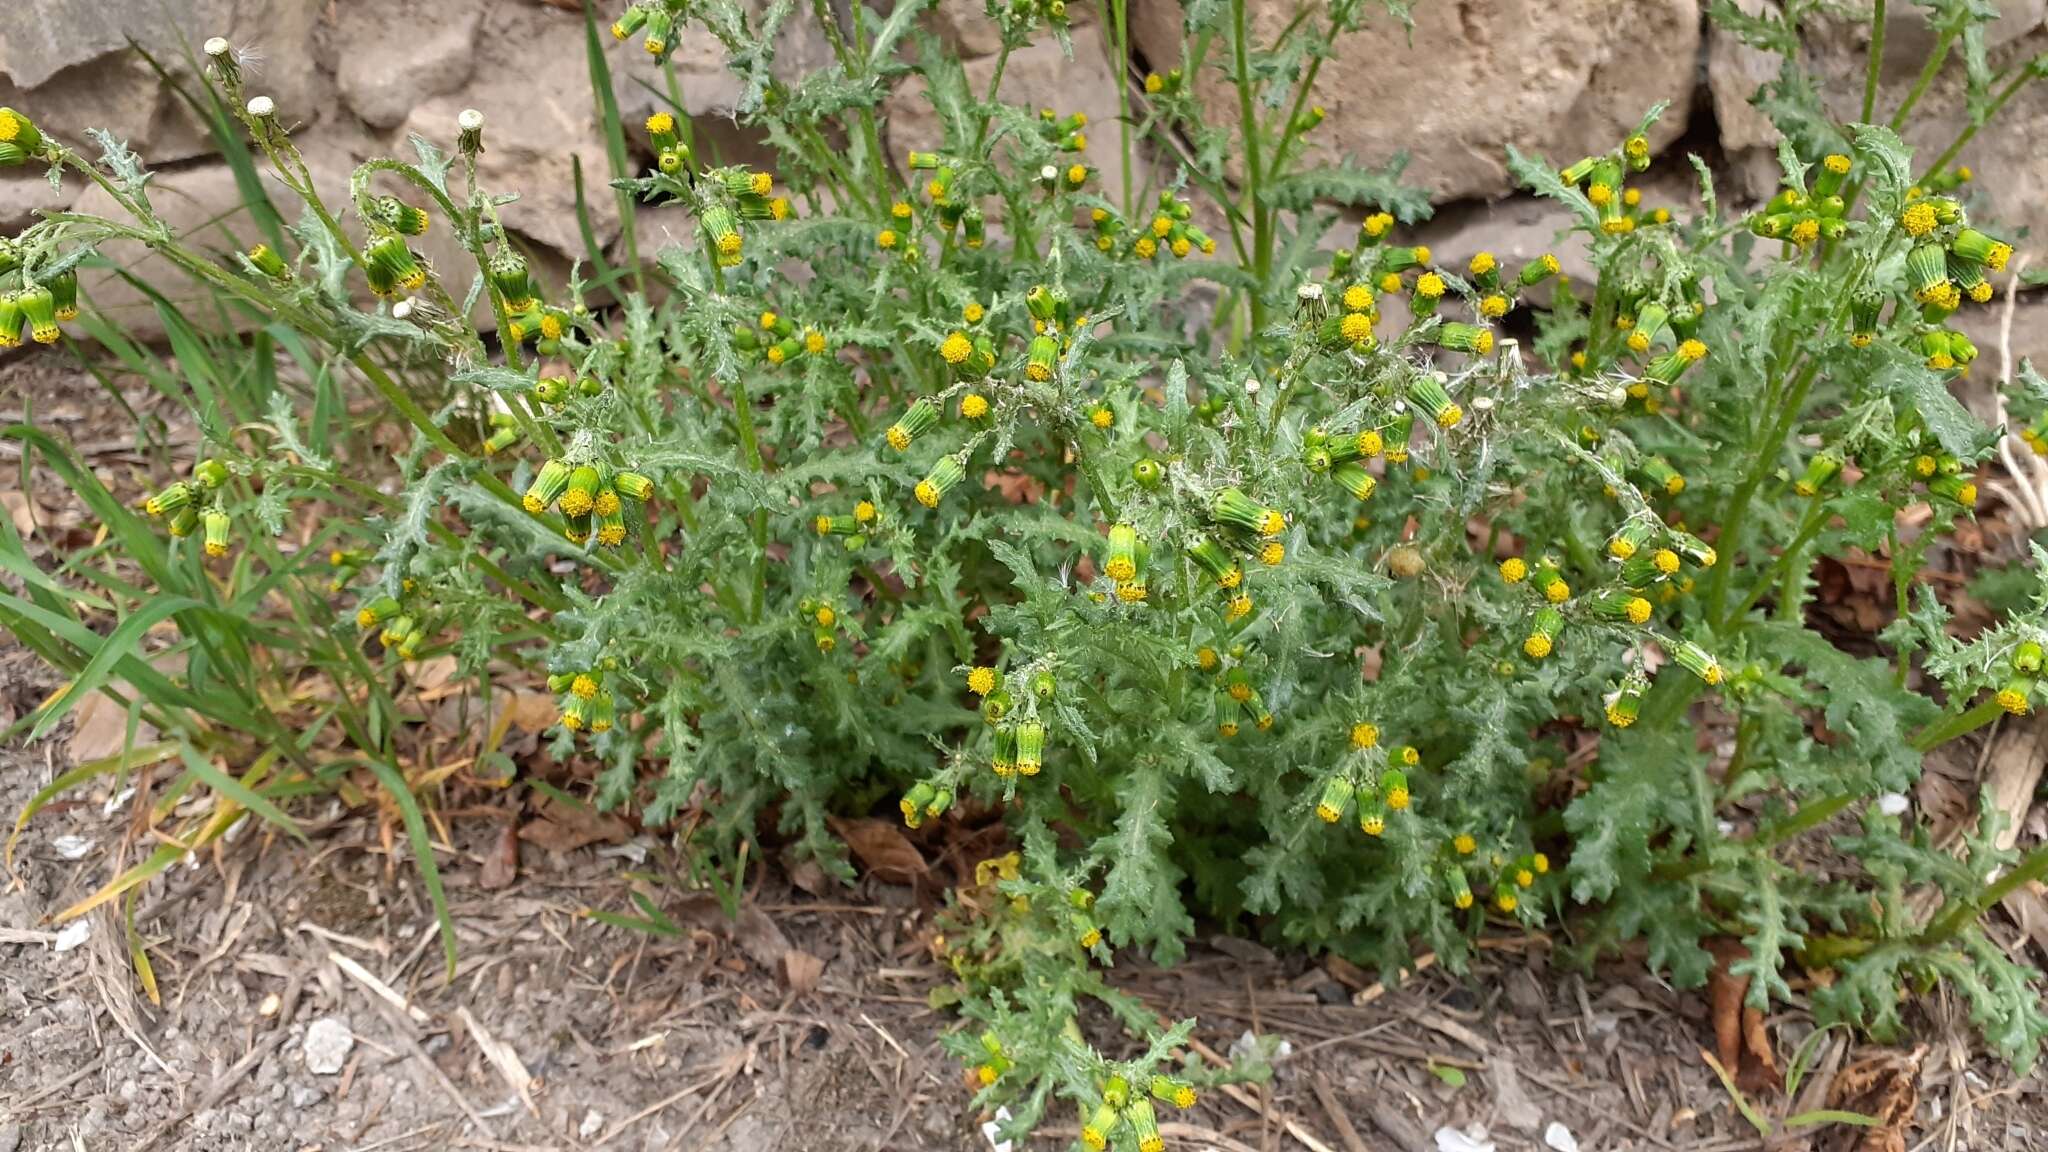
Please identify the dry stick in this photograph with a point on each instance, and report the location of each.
(1335, 1112)
(1306, 1139)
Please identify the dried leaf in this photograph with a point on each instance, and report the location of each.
(802, 970)
(567, 827)
(1883, 1087)
(501, 863)
(98, 726)
(1740, 1042)
(883, 850)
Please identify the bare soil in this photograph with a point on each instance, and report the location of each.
(301, 1004)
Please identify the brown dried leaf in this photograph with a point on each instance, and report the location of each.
(883, 850)
(99, 725)
(20, 511)
(802, 970)
(1741, 1043)
(501, 863)
(1884, 1087)
(567, 827)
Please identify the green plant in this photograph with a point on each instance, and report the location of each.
(975, 518)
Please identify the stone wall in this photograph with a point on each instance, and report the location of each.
(1558, 77)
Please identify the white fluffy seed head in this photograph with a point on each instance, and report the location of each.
(218, 47)
(402, 309)
(471, 120)
(262, 108)
(1251, 385)
(1309, 292)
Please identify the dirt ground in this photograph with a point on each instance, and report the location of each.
(303, 1006)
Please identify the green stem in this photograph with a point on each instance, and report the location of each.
(1875, 63)
(1262, 239)
(2031, 868)
(1935, 60)
(1953, 727)
(1969, 132)
(1120, 13)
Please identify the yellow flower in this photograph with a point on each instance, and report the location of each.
(1364, 735)
(1805, 232)
(981, 681)
(1493, 306)
(1918, 219)
(886, 239)
(1638, 610)
(900, 210)
(1356, 327)
(1391, 282)
(1692, 350)
(1558, 592)
(814, 341)
(1665, 561)
(973, 406)
(973, 312)
(1378, 225)
(1206, 659)
(1514, 569)
(1357, 298)
(1154, 84)
(1599, 194)
(1463, 844)
(1102, 416)
(1272, 553)
(1481, 263)
(826, 616)
(1146, 247)
(956, 349)
(1429, 285)
(1837, 163)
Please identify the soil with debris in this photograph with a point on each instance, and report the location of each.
(300, 1001)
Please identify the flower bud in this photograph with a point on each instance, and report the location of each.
(400, 217)
(170, 501)
(1355, 479)
(1697, 661)
(1218, 563)
(1043, 353)
(1628, 701)
(579, 495)
(1234, 508)
(1030, 747)
(1958, 490)
(1978, 248)
(1335, 800)
(1824, 466)
(947, 472)
(1543, 633)
(18, 130)
(1178, 1093)
(724, 234)
(1927, 271)
(2027, 657)
(391, 267)
(10, 320)
(916, 420)
(547, 485)
(1121, 561)
(1394, 789)
(1472, 338)
(39, 308)
(1622, 606)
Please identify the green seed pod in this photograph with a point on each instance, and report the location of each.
(210, 474)
(973, 227)
(185, 521)
(500, 440)
(551, 390)
(611, 519)
(1968, 277)
(1178, 1093)
(1148, 473)
(1396, 437)
(1340, 263)
(1045, 686)
(2027, 657)
(1666, 369)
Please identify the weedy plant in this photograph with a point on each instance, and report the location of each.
(1246, 578)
